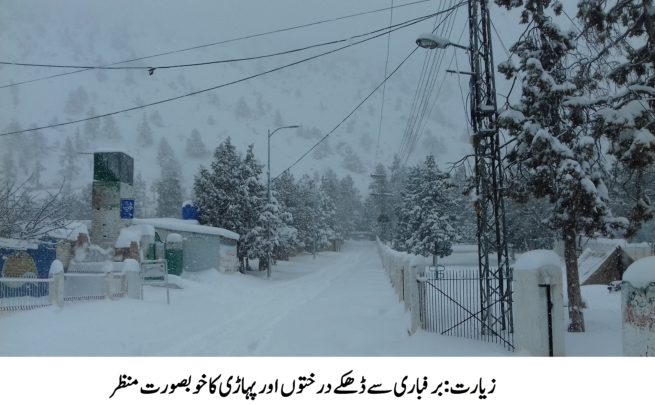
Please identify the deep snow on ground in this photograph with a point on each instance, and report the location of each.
(339, 304)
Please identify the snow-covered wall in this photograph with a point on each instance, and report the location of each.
(638, 307)
(402, 271)
(532, 273)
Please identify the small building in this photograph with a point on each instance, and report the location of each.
(603, 266)
(203, 247)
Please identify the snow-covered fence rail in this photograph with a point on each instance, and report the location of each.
(87, 281)
(403, 270)
(95, 281)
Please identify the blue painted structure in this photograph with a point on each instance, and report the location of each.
(42, 252)
(43, 255)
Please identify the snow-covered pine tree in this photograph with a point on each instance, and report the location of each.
(168, 188)
(271, 233)
(92, 127)
(624, 32)
(68, 162)
(144, 133)
(555, 156)
(217, 190)
(109, 129)
(195, 147)
(424, 224)
(140, 196)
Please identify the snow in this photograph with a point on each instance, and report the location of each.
(340, 304)
(641, 273)
(18, 244)
(126, 237)
(174, 238)
(131, 265)
(590, 260)
(56, 267)
(536, 259)
(187, 202)
(183, 225)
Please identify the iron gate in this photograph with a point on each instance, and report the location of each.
(450, 303)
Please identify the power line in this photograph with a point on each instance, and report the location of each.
(349, 114)
(251, 36)
(421, 89)
(384, 86)
(213, 62)
(218, 86)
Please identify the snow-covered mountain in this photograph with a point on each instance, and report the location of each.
(316, 95)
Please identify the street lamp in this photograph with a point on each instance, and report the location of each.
(431, 41)
(268, 175)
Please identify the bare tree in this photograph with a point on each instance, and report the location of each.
(28, 214)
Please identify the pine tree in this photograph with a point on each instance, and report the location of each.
(168, 188)
(625, 31)
(144, 133)
(68, 162)
(218, 190)
(555, 155)
(195, 147)
(76, 101)
(109, 129)
(140, 197)
(424, 224)
(92, 127)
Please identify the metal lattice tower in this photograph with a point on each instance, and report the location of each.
(495, 278)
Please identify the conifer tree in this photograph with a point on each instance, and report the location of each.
(424, 224)
(168, 188)
(555, 155)
(144, 133)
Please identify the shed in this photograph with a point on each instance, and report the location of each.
(603, 266)
(204, 246)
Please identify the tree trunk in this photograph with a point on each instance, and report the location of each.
(576, 317)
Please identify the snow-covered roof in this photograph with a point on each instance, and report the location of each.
(641, 273)
(186, 225)
(536, 259)
(19, 244)
(590, 260)
(134, 233)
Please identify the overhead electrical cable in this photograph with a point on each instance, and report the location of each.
(384, 86)
(424, 91)
(431, 102)
(428, 63)
(251, 36)
(220, 85)
(212, 62)
(347, 116)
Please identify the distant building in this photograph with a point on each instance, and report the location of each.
(203, 247)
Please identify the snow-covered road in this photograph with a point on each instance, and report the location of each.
(339, 304)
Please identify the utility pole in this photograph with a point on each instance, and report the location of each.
(495, 278)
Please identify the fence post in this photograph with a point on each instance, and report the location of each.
(132, 271)
(56, 290)
(414, 302)
(538, 302)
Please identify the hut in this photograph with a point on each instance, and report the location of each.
(203, 247)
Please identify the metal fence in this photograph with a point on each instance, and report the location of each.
(450, 304)
(21, 293)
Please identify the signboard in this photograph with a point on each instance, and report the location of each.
(127, 209)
